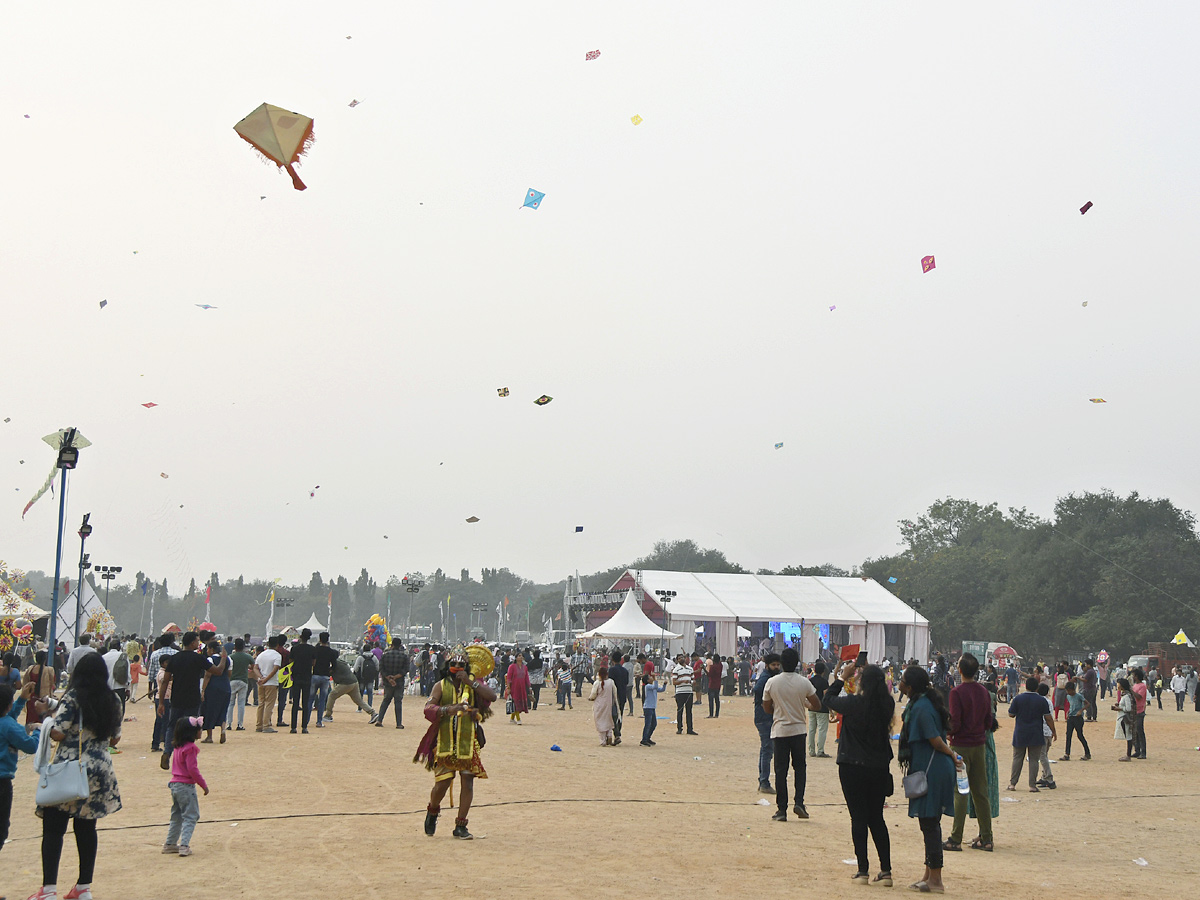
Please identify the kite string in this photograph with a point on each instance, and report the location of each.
(1125, 570)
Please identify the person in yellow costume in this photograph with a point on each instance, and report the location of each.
(456, 706)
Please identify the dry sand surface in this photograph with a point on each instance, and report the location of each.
(338, 813)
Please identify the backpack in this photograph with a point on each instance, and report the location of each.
(369, 670)
(121, 670)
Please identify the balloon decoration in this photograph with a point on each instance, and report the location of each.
(376, 631)
(22, 631)
(101, 622)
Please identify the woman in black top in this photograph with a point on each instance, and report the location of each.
(864, 763)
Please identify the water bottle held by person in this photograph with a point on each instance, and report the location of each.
(961, 773)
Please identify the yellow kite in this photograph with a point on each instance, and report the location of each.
(282, 137)
(1182, 638)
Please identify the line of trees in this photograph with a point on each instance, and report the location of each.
(1102, 571)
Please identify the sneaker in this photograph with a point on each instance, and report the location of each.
(1050, 786)
(170, 848)
(269, 730)
(293, 731)
(883, 879)
(696, 733)
(78, 893)
(302, 730)
(430, 822)
(1064, 759)
(652, 743)
(329, 718)
(1086, 757)
(779, 817)
(378, 724)
(800, 811)
(861, 878)
(154, 748)
(401, 727)
(43, 894)
(460, 832)
(764, 787)
(645, 744)
(239, 728)
(823, 755)
(185, 850)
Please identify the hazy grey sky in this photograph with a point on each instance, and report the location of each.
(672, 293)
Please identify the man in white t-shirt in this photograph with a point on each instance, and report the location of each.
(267, 665)
(787, 697)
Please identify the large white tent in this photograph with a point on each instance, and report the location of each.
(728, 599)
(313, 625)
(65, 626)
(629, 622)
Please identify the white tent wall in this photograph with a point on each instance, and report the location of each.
(810, 644)
(726, 638)
(688, 629)
(875, 643)
(858, 635)
(916, 642)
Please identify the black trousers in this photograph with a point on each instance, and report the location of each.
(683, 704)
(301, 692)
(865, 791)
(54, 826)
(791, 749)
(282, 700)
(1075, 726)
(931, 830)
(714, 704)
(537, 693)
(1139, 735)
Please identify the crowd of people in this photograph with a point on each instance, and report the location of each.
(200, 687)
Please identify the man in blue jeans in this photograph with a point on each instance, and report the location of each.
(650, 710)
(762, 721)
(322, 671)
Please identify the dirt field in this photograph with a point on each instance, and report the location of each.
(338, 813)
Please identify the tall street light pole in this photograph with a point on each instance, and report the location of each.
(85, 531)
(108, 573)
(664, 597)
(68, 458)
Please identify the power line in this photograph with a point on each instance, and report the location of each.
(1125, 570)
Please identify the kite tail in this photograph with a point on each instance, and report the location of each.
(296, 182)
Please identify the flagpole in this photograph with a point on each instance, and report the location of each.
(153, 594)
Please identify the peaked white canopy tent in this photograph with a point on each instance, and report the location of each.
(313, 625)
(727, 600)
(629, 622)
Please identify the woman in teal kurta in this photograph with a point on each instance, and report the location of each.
(926, 719)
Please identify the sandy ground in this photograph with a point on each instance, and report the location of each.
(338, 813)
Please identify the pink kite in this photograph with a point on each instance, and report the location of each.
(927, 263)
(591, 54)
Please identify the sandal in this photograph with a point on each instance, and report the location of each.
(951, 845)
(978, 844)
(1011, 787)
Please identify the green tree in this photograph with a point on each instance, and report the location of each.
(364, 596)
(316, 586)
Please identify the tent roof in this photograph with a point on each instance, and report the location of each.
(628, 622)
(723, 597)
(313, 625)
(24, 610)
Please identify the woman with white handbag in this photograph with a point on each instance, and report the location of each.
(78, 784)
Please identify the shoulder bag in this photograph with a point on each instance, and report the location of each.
(916, 784)
(63, 782)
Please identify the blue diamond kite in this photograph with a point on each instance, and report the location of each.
(533, 198)
(578, 528)
(892, 580)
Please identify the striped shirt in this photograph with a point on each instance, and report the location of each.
(156, 661)
(681, 676)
